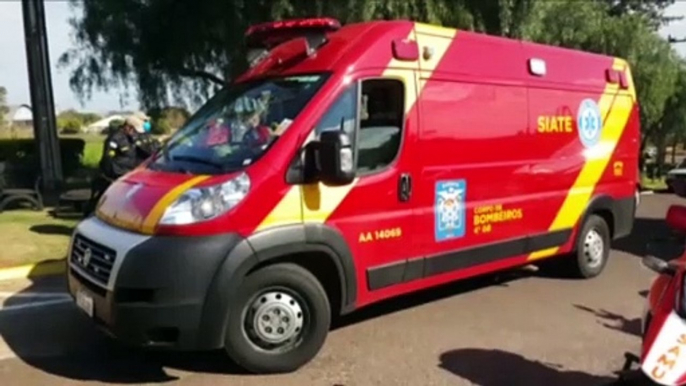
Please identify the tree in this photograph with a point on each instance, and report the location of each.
(129, 42)
(71, 121)
(4, 110)
(89, 118)
(653, 10)
(595, 27)
(674, 119)
(192, 47)
(169, 119)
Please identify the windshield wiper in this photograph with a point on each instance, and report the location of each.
(197, 160)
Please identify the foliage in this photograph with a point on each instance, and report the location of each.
(608, 27)
(72, 121)
(653, 10)
(169, 119)
(129, 42)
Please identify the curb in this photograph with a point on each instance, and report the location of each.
(45, 268)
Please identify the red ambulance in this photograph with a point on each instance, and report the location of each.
(399, 156)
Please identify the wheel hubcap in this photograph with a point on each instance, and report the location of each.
(594, 248)
(275, 318)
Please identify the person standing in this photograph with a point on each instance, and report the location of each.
(146, 145)
(118, 158)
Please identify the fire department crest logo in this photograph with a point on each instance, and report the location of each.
(450, 209)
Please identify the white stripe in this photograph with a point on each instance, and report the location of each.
(34, 305)
(5, 295)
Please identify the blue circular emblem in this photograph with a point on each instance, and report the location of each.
(589, 123)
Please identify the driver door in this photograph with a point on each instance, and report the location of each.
(375, 214)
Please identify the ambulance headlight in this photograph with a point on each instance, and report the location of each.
(206, 203)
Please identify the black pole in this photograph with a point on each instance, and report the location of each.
(42, 103)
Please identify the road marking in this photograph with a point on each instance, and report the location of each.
(647, 193)
(34, 305)
(5, 295)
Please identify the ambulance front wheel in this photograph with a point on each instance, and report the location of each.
(593, 248)
(278, 321)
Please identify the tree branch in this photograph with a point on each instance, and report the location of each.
(187, 72)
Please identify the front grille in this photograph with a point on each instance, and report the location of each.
(93, 258)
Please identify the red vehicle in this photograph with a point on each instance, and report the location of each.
(664, 319)
(402, 156)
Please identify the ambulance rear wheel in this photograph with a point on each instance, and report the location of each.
(592, 249)
(278, 321)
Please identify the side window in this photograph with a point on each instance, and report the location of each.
(343, 111)
(381, 123)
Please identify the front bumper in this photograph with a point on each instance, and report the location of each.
(146, 291)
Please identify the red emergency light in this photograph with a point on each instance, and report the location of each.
(271, 34)
(262, 38)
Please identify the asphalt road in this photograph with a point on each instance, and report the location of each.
(519, 328)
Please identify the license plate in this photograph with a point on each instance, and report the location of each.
(85, 303)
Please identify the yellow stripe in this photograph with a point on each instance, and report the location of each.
(615, 107)
(315, 203)
(436, 40)
(157, 211)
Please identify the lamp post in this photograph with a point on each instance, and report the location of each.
(42, 103)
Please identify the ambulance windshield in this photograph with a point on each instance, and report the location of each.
(237, 126)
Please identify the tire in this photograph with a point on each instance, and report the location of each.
(592, 251)
(282, 297)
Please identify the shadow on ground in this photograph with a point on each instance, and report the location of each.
(52, 229)
(644, 231)
(432, 295)
(61, 341)
(615, 321)
(485, 367)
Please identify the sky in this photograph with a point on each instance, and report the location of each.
(13, 71)
(13, 67)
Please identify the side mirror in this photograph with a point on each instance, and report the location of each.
(659, 266)
(334, 158)
(676, 218)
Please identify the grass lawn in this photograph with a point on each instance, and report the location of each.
(92, 153)
(32, 237)
(657, 184)
(93, 150)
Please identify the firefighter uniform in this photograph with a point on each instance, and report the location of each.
(119, 155)
(146, 145)
(118, 158)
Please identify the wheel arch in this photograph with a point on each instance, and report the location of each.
(272, 246)
(603, 206)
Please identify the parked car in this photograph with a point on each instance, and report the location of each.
(676, 178)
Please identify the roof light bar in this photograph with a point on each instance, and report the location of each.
(324, 23)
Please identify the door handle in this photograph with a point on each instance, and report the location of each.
(405, 188)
